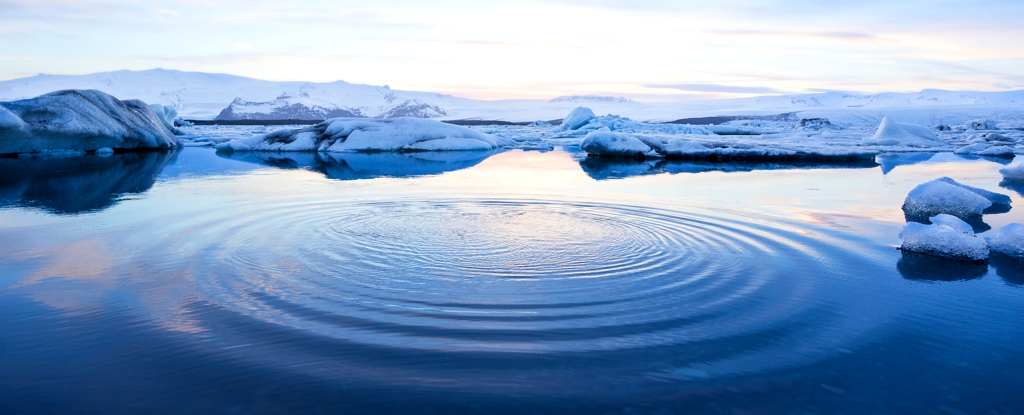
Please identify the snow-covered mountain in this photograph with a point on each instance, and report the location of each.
(197, 95)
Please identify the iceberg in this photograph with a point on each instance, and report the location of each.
(944, 238)
(1008, 241)
(167, 116)
(582, 121)
(80, 120)
(891, 133)
(607, 143)
(1013, 173)
(945, 195)
(346, 135)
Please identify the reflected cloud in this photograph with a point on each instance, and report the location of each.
(922, 267)
(604, 168)
(356, 166)
(78, 184)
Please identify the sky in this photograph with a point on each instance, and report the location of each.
(651, 51)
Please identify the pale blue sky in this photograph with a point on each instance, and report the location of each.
(532, 49)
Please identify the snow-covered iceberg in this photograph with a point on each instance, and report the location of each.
(946, 237)
(1008, 241)
(582, 121)
(342, 135)
(892, 133)
(1013, 173)
(83, 120)
(945, 195)
(167, 116)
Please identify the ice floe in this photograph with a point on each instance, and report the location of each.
(1008, 241)
(356, 135)
(1013, 173)
(944, 238)
(944, 195)
(80, 120)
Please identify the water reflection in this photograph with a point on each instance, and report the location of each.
(1011, 269)
(603, 168)
(78, 184)
(355, 166)
(922, 267)
(1015, 185)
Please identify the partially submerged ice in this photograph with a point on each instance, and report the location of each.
(946, 237)
(361, 134)
(1013, 173)
(1008, 241)
(945, 195)
(80, 120)
(892, 133)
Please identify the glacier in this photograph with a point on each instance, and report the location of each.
(80, 120)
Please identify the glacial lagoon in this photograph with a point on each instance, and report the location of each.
(494, 282)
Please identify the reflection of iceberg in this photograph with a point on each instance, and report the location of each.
(893, 160)
(1011, 269)
(601, 168)
(352, 166)
(923, 267)
(77, 184)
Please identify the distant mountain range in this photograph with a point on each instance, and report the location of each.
(208, 96)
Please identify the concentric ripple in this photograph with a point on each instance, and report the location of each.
(536, 276)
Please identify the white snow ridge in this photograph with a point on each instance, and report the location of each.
(360, 134)
(80, 120)
(891, 133)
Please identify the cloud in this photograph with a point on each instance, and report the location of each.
(850, 36)
(729, 89)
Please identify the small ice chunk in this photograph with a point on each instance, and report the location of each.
(981, 125)
(939, 196)
(104, 152)
(1008, 241)
(1013, 173)
(953, 222)
(943, 241)
(576, 119)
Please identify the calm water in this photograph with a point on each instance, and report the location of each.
(516, 282)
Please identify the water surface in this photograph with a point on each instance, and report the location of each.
(493, 283)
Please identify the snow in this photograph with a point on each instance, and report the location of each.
(80, 121)
(1013, 173)
(945, 196)
(1008, 241)
(357, 134)
(940, 239)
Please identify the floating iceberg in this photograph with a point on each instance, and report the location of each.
(944, 195)
(607, 143)
(953, 222)
(341, 135)
(167, 116)
(891, 133)
(1008, 241)
(1013, 173)
(985, 149)
(582, 121)
(944, 238)
(83, 120)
